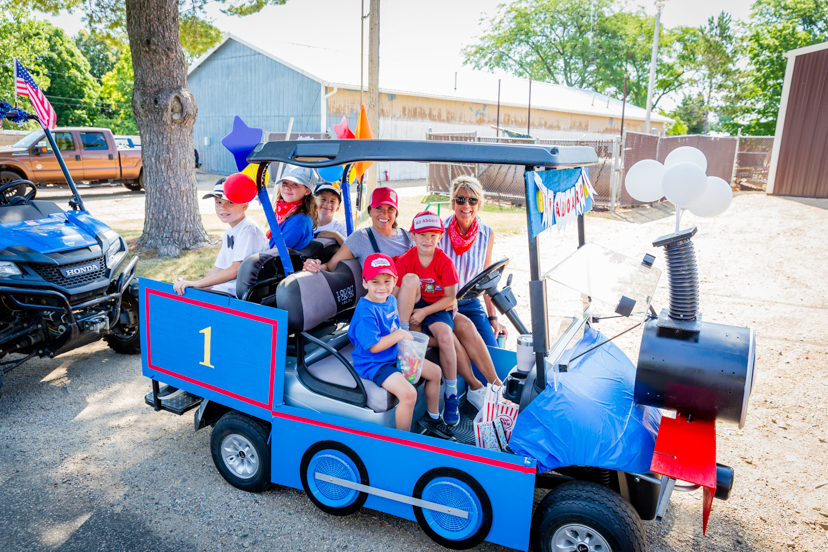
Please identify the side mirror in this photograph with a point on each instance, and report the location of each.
(39, 150)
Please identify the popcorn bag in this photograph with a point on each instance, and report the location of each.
(494, 422)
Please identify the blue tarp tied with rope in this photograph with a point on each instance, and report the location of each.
(591, 420)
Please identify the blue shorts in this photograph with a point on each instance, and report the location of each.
(384, 372)
(439, 316)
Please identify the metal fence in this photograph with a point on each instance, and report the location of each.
(506, 182)
(753, 161)
(720, 151)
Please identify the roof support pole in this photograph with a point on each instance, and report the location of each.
(373, 87)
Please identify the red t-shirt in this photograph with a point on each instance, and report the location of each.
(438, 274)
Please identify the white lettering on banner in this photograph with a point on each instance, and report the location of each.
(560, 208)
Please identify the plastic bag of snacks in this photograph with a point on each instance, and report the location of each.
(411, 356)
(493, 424)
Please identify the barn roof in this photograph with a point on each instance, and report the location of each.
(335, 68)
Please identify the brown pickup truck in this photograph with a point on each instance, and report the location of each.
(91, 155)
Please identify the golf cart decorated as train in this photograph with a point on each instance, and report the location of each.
(271, 373)
(66, 279)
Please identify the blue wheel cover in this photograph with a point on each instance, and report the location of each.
(335, 464)
(451, 492)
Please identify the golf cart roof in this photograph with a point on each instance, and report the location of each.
(329, 153)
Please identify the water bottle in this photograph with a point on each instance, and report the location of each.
(501, 339)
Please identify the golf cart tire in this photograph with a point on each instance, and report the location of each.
(238, 427)
(127, 345)
(590, 506)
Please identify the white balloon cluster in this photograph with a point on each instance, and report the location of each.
(683, 181)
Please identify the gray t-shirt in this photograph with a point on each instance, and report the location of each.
(360, 245)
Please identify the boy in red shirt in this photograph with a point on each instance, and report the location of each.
(438, 289)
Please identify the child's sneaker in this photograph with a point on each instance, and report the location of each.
(477, 397)
(451, 413)
(436, 427)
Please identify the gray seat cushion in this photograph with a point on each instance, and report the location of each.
(331, 370)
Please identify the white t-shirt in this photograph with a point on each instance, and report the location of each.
(239, 242)
(333, 226)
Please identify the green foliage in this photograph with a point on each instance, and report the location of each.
(116, 95)
(775, 27)
(20, 38)
(582, 43)
(197, 35)
(72, 90)
(100, 53)
(691, 113)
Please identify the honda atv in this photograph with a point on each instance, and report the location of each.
(66, 279)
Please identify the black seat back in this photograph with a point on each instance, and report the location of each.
(260, 273)
(311, 298)
(33, 210)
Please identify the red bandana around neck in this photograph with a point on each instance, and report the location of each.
(461, 242)
(283, 209)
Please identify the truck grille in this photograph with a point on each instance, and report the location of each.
(52, 273)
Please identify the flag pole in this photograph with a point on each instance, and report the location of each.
(14, 61)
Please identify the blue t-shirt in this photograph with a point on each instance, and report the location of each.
(297, 231)
(371, 322)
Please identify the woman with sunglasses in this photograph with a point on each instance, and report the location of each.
(295, 207)
(468, 242)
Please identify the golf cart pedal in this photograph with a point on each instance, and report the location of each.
(178, 404)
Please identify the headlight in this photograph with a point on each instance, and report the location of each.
(113, 251)
(7, 270)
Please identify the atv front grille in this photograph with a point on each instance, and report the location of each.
(53, 274)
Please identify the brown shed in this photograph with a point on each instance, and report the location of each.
(799, 164)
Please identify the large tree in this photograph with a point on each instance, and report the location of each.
(583, 43)
(165, 109)
(775, 27)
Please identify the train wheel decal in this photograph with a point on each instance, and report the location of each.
(455, 489)
(333, 459)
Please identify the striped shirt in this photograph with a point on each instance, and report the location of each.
(473, 261)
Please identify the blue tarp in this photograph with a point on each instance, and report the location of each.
(591, 420)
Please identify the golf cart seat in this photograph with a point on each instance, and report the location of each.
(260, 273)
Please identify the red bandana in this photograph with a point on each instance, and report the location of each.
(461, 242)
(283, 209)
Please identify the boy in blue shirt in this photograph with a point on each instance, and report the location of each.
(375, 332)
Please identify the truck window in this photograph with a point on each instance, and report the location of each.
(63, 140)
(93, 141)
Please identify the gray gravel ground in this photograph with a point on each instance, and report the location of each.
(85, 465)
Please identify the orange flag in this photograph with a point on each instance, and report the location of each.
(363, 132)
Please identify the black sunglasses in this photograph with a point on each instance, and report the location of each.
(461, 200)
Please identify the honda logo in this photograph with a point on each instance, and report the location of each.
(78, 270)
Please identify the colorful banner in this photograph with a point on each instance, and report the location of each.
(557, 197)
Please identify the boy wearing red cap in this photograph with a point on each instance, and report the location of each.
(438, 289)
(375, 332)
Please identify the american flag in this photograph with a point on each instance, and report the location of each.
(24, 85)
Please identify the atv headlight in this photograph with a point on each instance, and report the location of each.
(114, 249)
(7, 270)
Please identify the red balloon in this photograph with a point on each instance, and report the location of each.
(240, 188)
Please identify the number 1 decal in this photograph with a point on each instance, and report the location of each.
(207, 331)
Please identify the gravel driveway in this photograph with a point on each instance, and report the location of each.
(85, 465)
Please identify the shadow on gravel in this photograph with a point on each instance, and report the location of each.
(812, 201)
(107, 530)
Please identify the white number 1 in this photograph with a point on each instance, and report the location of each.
(206, 362)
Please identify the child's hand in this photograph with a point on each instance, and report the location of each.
(180, 285)
(406, 335)
(312, 265)
(417, 317)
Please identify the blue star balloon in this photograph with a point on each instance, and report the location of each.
(241, 141)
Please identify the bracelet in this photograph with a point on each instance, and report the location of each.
(492, 318)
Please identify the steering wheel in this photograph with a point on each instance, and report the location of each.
(486, 279)
(6, 196)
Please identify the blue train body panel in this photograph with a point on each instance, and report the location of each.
(395, 461)
(214, 346)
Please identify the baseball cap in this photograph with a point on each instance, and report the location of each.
(378, 263)
(331, 187)
(218, 190)
(384, 196)
(426, 221)
(301, 175)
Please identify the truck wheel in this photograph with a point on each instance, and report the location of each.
(240, 451)
(586, 517)
(128, 340)
(135, 185)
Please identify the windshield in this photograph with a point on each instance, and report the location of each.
(28, 140)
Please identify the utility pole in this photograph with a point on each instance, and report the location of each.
(659, 4)
(362, 17)
(373, 88)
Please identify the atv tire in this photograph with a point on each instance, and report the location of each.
(129, 343)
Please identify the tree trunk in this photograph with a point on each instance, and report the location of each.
(165, 111)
